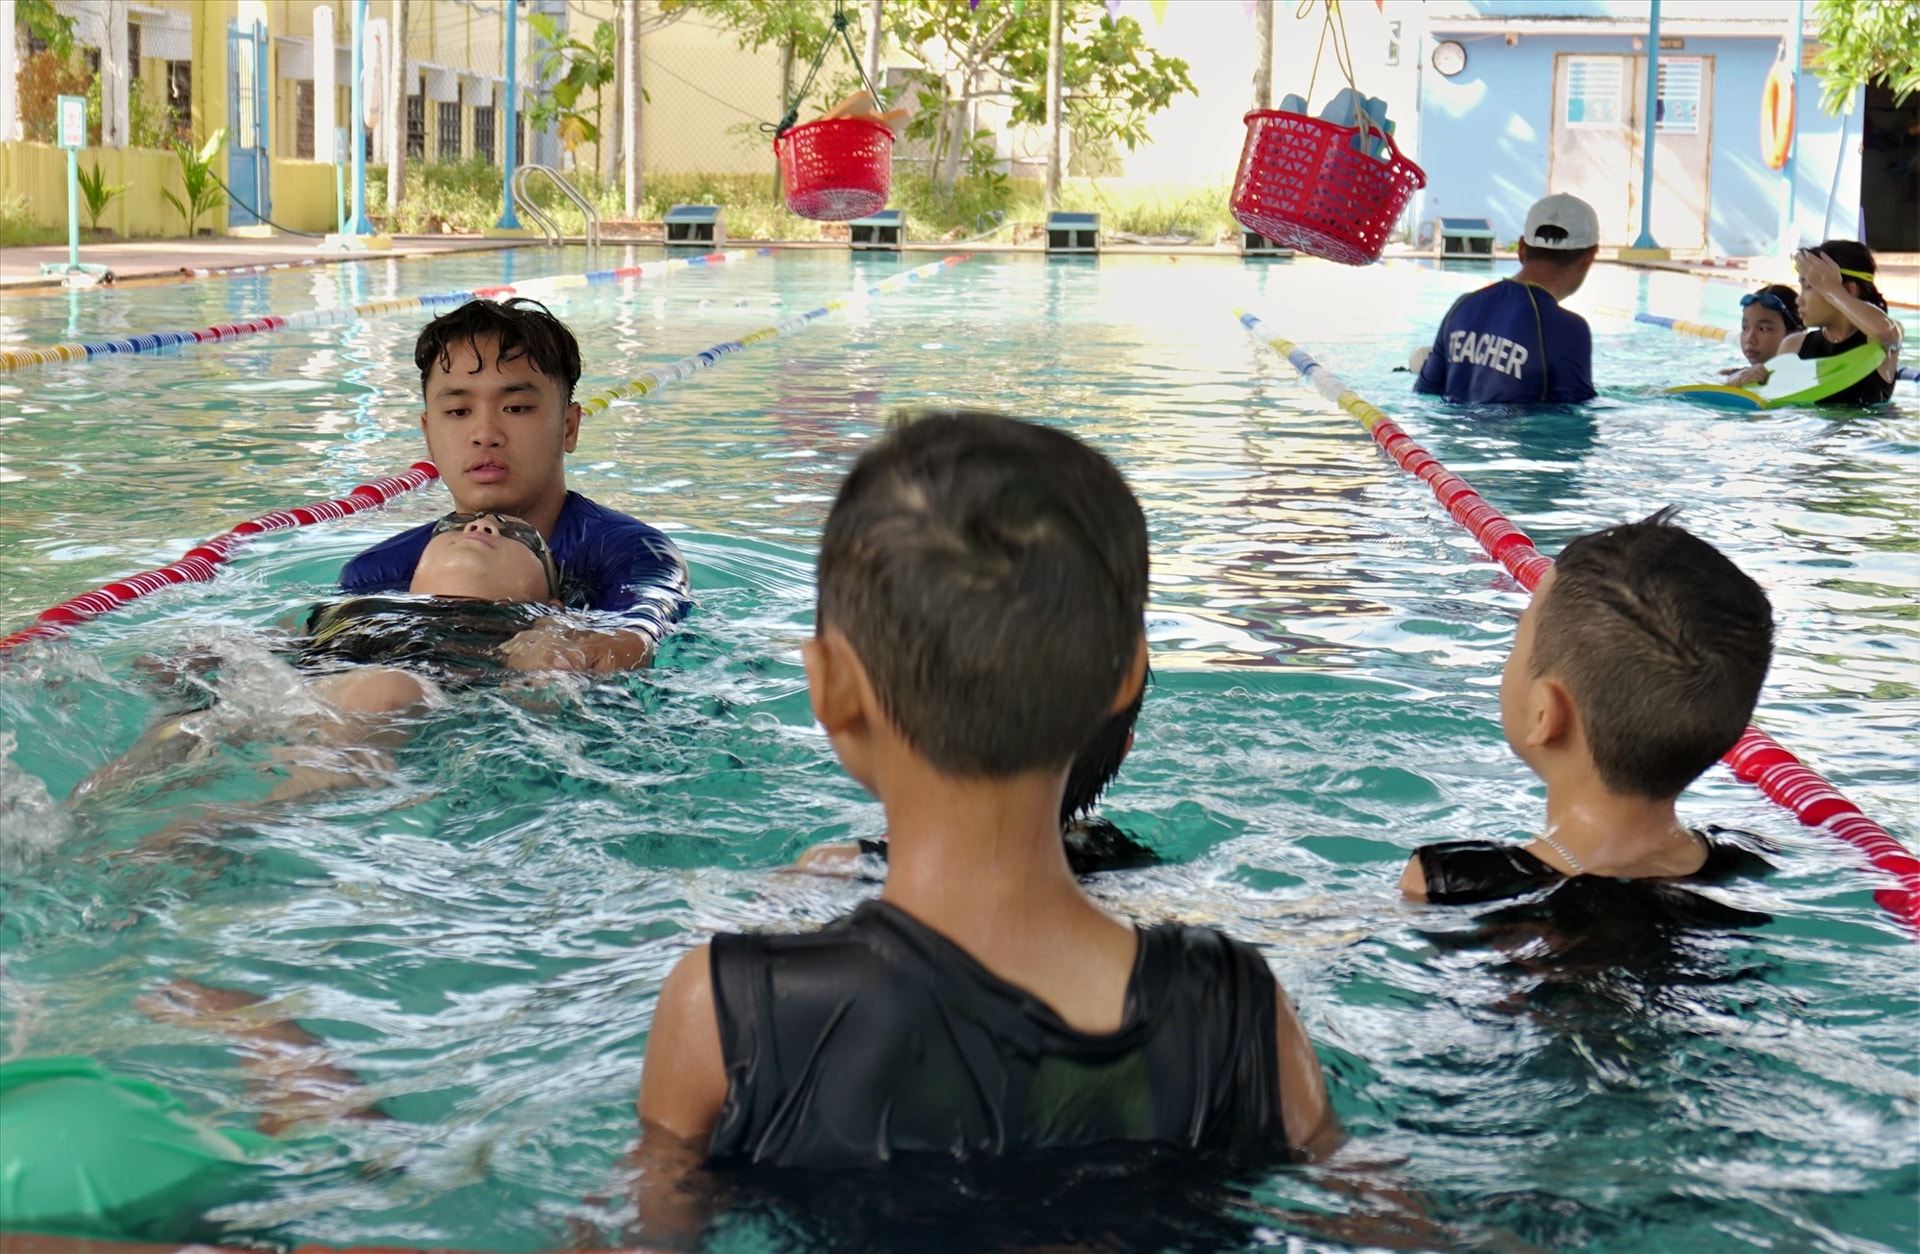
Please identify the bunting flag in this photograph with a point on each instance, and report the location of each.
(1113, 10)
(1159, 12)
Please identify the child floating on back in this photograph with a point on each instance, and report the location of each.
(982, 590)
(1634, 669)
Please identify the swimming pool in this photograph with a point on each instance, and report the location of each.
(482, 938)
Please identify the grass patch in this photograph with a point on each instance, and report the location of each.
(18, 229)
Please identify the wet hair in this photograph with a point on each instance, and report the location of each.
(991, 575)
(1789, 298)
(1662, 643)
(520, 327)
(1099, 761)
(1852, 255)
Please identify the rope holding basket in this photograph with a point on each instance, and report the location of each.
(1315, 186)
(835, 169)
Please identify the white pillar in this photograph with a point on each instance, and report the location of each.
(397, 108)
(630, 108)
(324, 121)
(9, 71)
(115, 76)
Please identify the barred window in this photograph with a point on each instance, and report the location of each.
(483, 133)
(303, 119)
(180, 95)
(449, 146)
(416, 127)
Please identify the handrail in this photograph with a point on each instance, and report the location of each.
(548, 227)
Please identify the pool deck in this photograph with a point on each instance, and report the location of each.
(146, 261)
(136, 261)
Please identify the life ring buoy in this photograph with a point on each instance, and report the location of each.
(1776, 116)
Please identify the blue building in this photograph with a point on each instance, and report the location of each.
(1519, 98)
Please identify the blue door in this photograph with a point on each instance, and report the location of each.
(247, 86)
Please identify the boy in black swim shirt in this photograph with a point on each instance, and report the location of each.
(982, 590)
(1634, 669)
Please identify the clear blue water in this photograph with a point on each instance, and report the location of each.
(481, 936)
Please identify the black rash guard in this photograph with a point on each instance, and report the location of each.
(876, 1037)
(1465, 872)
(450, 639)
(1872, 390)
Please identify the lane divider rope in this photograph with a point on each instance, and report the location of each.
(201, 563)
(1703, 331)
(153, 341)
(1756, 758)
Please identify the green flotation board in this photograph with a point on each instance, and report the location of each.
(86, 1153)
(1794, 381)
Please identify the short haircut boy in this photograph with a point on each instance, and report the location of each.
(1662, 643)
(519, 327)
(991, 575)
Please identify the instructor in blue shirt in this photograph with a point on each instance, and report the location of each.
(497, 379)
(1510, 343)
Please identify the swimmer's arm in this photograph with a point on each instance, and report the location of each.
(553, 645)
(290, 1071)
(1823, 275)
(1413, 880)
(682, 1086)
(840, 858)
(1749, 376)
(1313, 1130)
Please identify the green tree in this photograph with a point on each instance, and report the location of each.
(571, 71)
(1868, 42)
(46, 24)
(1114, 80)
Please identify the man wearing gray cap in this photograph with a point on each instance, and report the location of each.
(1510, 343)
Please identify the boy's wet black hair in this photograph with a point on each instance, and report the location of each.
(520, 326)
(1853, 255)
(991, 575)
(1790, 298)
(1662, 643)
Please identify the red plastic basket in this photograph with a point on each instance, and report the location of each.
(1303, 185)
(836, 169)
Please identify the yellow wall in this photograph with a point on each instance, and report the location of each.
(39, 172)
(303, 195)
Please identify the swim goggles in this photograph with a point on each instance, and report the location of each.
(1767, 300)
(516, 529)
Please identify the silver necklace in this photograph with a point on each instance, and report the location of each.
(1561, 849)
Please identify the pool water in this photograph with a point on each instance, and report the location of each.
(481, 936)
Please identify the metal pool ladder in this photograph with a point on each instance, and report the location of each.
(548, 227)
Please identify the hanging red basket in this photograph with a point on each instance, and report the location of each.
(836, 169)
(1304, 185)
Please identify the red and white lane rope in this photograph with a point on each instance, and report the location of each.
(201, 562)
